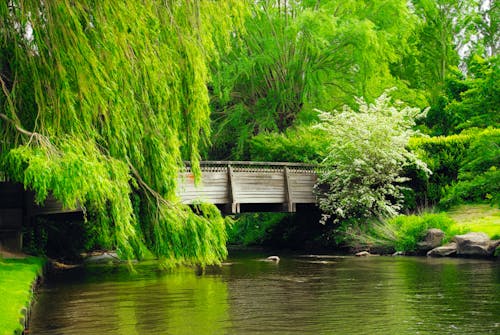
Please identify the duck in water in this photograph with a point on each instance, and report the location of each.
(273, 259)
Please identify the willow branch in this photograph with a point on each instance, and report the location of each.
(18, 128)
(146, 187)
(41, 139)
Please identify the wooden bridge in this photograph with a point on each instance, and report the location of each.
(234, 187)
(250, 186)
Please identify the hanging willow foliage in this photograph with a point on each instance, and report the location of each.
(101, 102)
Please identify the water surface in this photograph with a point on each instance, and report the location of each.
(300, 295)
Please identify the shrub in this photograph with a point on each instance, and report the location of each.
(479, 174)
(361, 175)
(411, 229)
(465, 168)
(444, 156)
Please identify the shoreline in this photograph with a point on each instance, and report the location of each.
(19, 278)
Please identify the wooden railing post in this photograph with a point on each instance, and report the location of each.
(235, 206)
(290, 205)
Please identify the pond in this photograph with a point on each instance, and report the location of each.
(302, 294)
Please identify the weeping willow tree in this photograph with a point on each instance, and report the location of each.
(101, 102)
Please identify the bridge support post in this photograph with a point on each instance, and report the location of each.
(11, 216)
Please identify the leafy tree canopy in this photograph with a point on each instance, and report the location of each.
(301, 55)
(101, 101)
(470, 100)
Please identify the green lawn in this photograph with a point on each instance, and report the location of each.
(16, 278)
(478, 218)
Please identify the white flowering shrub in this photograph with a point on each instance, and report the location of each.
(361, 175)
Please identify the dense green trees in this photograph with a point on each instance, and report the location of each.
(470, 100)
(438, 53)
(101, 102)
(296, 56)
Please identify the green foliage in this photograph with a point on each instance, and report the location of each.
(298, 55)
(483, 29)
(362, 172)
(464, 168)
(103, 100)
(445, 31)
(411, 229)
(298, 144)
(478, 105)
(479, 174)
(400, 233)
(254, 228)
(443, 156)
(79, 174)
(468, 101)
(187, 237)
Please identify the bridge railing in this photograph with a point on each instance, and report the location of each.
(251, 166)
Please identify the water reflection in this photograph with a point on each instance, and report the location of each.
(300, 295)
(99, 301)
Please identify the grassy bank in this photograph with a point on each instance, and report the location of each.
(16, 279)
(478, 218)
(403, 233)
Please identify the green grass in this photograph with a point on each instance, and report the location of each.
(16, 278)
(402, 233)
(477, 218)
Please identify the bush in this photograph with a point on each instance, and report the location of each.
(465, 168)
(444, 156)
(479, 175)
(361, 175)
(411, 229)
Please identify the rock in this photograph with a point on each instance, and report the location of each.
(475, 244)
(398, 253)
(433, 239)
(495, 244)
(442, 251)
